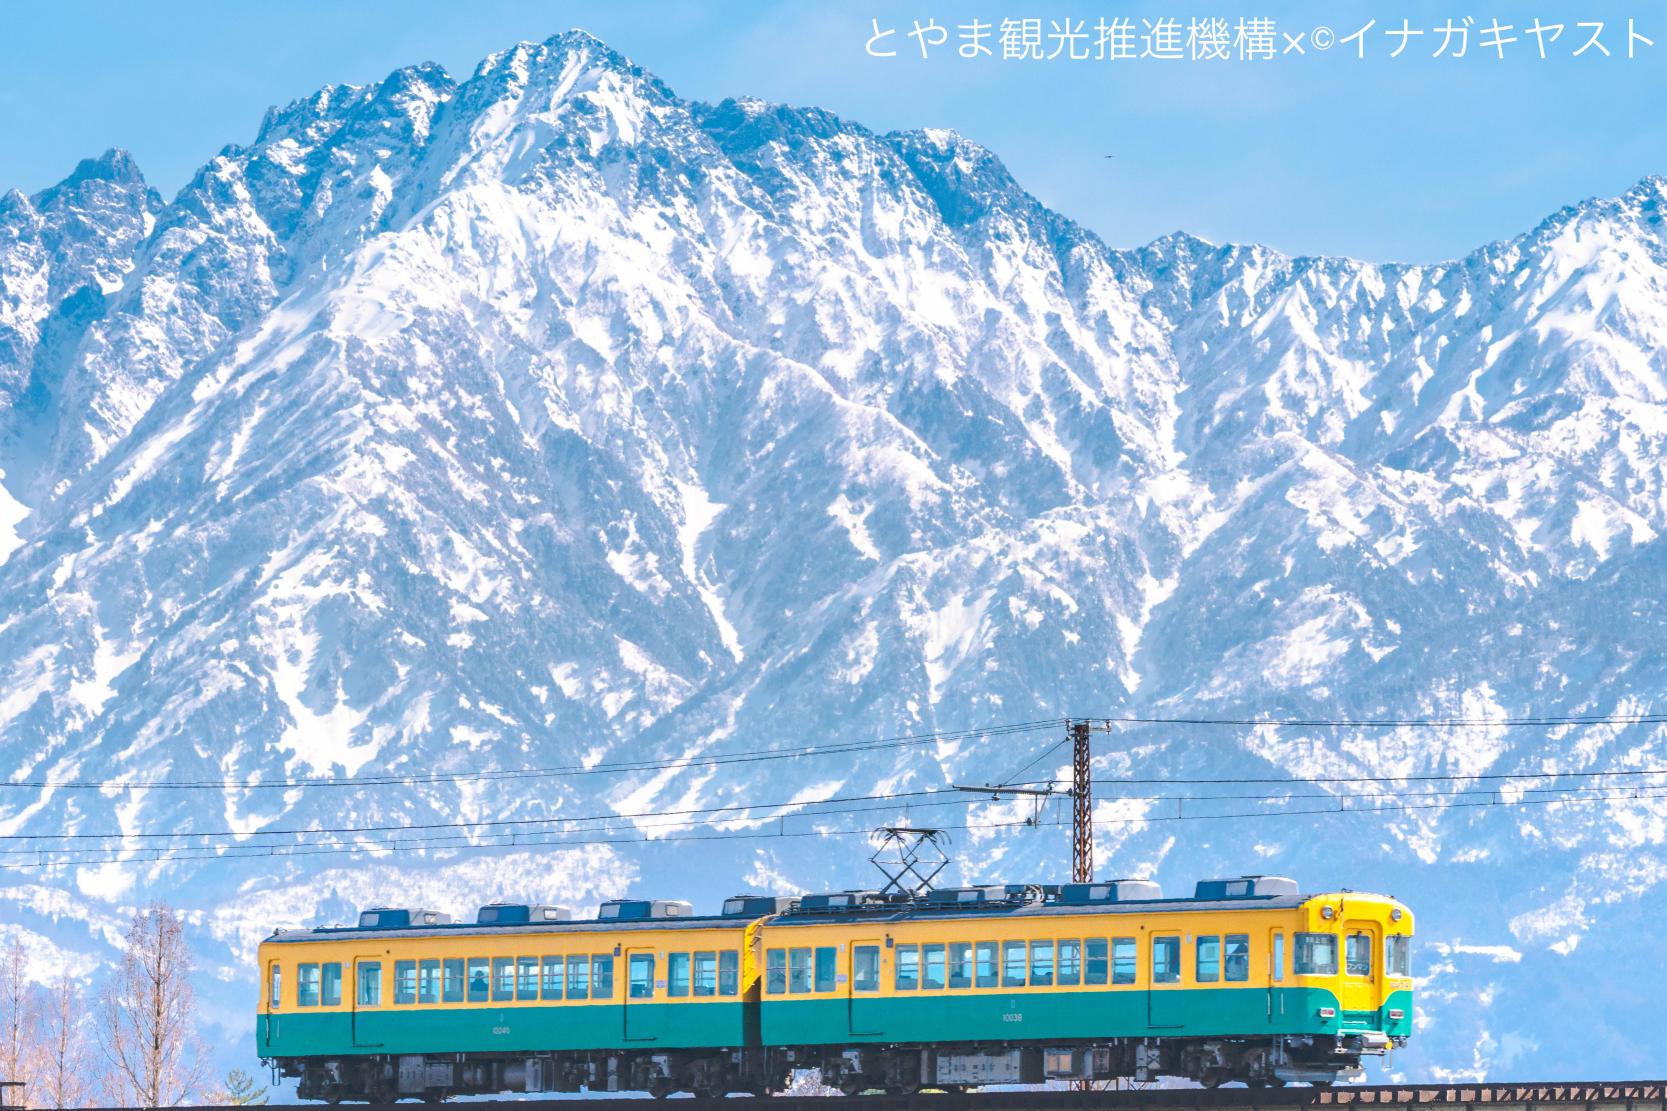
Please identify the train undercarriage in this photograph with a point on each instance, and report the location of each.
(1313, 1059)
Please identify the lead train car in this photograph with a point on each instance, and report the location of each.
(1247, 981)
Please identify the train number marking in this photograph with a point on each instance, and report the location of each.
(1013, 1017)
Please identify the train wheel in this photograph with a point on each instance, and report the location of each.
(660, 1087)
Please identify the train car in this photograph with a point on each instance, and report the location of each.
(410, 1003)
(1248, 980)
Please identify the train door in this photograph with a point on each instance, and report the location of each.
(274, 1001)
(1164, 999)
(1362, 968)
(368, 988)
(863, 991)
(1276, 976)
(640, 982)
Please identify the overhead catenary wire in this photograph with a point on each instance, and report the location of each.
(48, 859)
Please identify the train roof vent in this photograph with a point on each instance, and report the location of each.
(1246, 887)
(401, 918)
(634, 910)
(516, 914)
(964, 896)
(1111, 891)
(840, 900)
(757, 906)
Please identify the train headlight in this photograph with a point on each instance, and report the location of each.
(1328, 913)
(1396, 915)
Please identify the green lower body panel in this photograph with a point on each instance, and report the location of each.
(991, 1016)
(647, 1026)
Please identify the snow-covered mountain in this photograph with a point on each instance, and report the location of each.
(548, 418)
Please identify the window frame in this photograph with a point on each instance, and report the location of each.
(367, 974)
(1206, 959)
(428, 981)
(1167, 971)
(775, 972)
(1397, 945)
(865, 968)
(1350, 950)
(1015, 975)
(578, 977)
(601, 976)
(1305, 940)
(905, 964)
(302, 984)
(478, 970)
(959, 966)
(729, 972)
(528, 979)
(551, 987)
(503, 979)
(639, 986)
(1235, 966)
(703, 973)
(1041, 962)
(679, 975)
(800, 960)
(330, 984)
(1125, 948)
(1067, 971)
(824, 972)
(986, 964)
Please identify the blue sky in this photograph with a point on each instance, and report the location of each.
(1411, 158)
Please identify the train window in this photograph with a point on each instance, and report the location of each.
(526, 978)
(931, 967)
(578, 977)
(706, 974)
(1208, 968)
(275, 992)
(775, 971)
(827, 971)
(798, 971)
(988, 972)
(405, 982)
(729, 972)
(1397, 955)
(1166, 960)
(1314, 954)
(1012, 964)
(1357, 954)
(640, 970)
(369, 975)
(503, 978)
(1070, 962)
(552, 977)
(908, 968)
(601, 977)
(330, 992)
(865, 968)
(451, 980)
(960, 964)
(306, 985)
(428, 981)
(1236, 961)
(1041, 964)
(1277, 960)
(677, 975)
(1094, 961)
(480, 980)
(1125, 960)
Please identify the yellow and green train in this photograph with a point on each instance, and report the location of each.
(1248, 980)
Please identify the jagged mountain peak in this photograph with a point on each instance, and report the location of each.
(547, 418)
